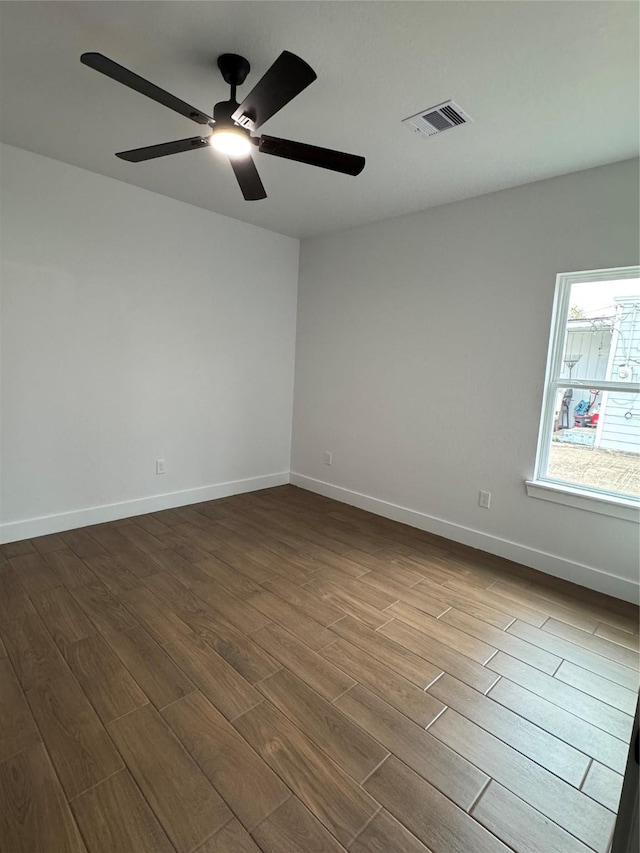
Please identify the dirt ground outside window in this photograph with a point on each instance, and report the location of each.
(600, 469)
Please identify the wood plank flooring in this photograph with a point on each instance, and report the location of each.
(280, 673)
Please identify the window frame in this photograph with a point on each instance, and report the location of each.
(541, 485)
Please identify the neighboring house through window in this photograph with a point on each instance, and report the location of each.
(589, 442)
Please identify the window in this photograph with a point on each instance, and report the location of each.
(589, 441)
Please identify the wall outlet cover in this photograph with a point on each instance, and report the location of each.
(484, 499)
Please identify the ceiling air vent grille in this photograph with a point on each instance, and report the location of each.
(436, 119)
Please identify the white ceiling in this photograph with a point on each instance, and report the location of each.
(553, 88)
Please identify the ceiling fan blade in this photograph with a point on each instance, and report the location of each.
(122, 75)
(138, 155)
(325, 158)
(247, 176)
(286, 78)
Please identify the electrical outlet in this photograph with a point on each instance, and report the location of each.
(484, 499)
(328, 458)
(159, 466)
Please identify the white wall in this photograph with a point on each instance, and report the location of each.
(416, 336)
(135, 327)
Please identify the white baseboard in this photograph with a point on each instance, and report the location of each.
(551, 564)
(14, 531)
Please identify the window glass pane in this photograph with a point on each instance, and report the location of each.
(602, 340)
(596, 440)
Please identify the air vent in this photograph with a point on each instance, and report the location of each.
(436, 119)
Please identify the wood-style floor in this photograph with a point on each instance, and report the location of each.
(279, 672)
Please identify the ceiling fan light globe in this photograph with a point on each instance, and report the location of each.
(233, 143)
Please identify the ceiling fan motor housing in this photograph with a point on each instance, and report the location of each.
(222, 113)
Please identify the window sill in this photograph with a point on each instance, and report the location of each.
(627, 509)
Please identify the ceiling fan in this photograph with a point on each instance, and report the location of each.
(232, 123)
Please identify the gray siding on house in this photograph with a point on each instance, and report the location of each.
(593, 345)
(619, 427)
